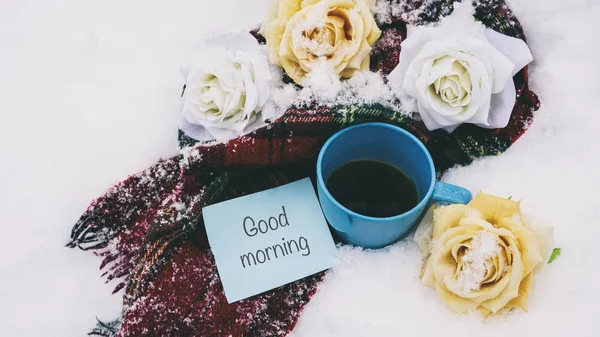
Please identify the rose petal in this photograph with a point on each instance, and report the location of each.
(487, 226)
(516, 50)
(428, 277)
(401, 78)
(481, 89)
(440, 67)
(251, 92)
(360, 55)
(371, 3)
(481, 117)
(261, 76)
(274, 33)
(529, 244)
(491, 291)
(524, 290)
(515, 275)
(219, 96)
(439, 106)
(501, 262)
(421, 83)
(287, 8)
(448, 216)
(457, 249)
(233, 103)
(457, 304)
(503, 68)
(494, 208)
(501, 107)
(226, 75)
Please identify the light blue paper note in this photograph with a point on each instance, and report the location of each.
(265, 240)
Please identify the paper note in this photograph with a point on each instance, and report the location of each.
(265, 240)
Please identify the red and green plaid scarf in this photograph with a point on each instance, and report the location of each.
(149, 228)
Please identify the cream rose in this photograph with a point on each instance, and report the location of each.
(459, 72)
(482, 255)
(301, 33)
(226, 89)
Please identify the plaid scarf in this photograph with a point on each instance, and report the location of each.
(149, 228)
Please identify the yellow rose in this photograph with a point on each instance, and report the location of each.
(482, 255)
(301, 34)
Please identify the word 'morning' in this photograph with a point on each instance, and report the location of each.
(274, 252)
(251, 228)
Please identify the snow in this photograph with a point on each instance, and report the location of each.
(324, 85)
(88, 91)
(408, 10)
(314, 22)
(475, 262)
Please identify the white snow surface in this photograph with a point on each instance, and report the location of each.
(88, 94)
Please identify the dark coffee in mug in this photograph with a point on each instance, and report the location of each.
(373, 188)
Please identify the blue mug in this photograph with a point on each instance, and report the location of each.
(393, 145)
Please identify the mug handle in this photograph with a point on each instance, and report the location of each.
(443, 192)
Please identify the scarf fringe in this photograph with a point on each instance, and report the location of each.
(106, 329)
(123, 204)
(114, 226)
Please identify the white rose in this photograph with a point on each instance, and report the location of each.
(460, 72)
(226, 89)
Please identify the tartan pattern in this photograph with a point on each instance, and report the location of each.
(149, 228)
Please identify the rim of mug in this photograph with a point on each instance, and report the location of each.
(413, 210)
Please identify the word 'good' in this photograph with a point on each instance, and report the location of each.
(251, 228)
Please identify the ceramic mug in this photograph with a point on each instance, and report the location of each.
(396, 146)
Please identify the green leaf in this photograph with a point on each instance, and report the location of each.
(510, 198)
(555, 253)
